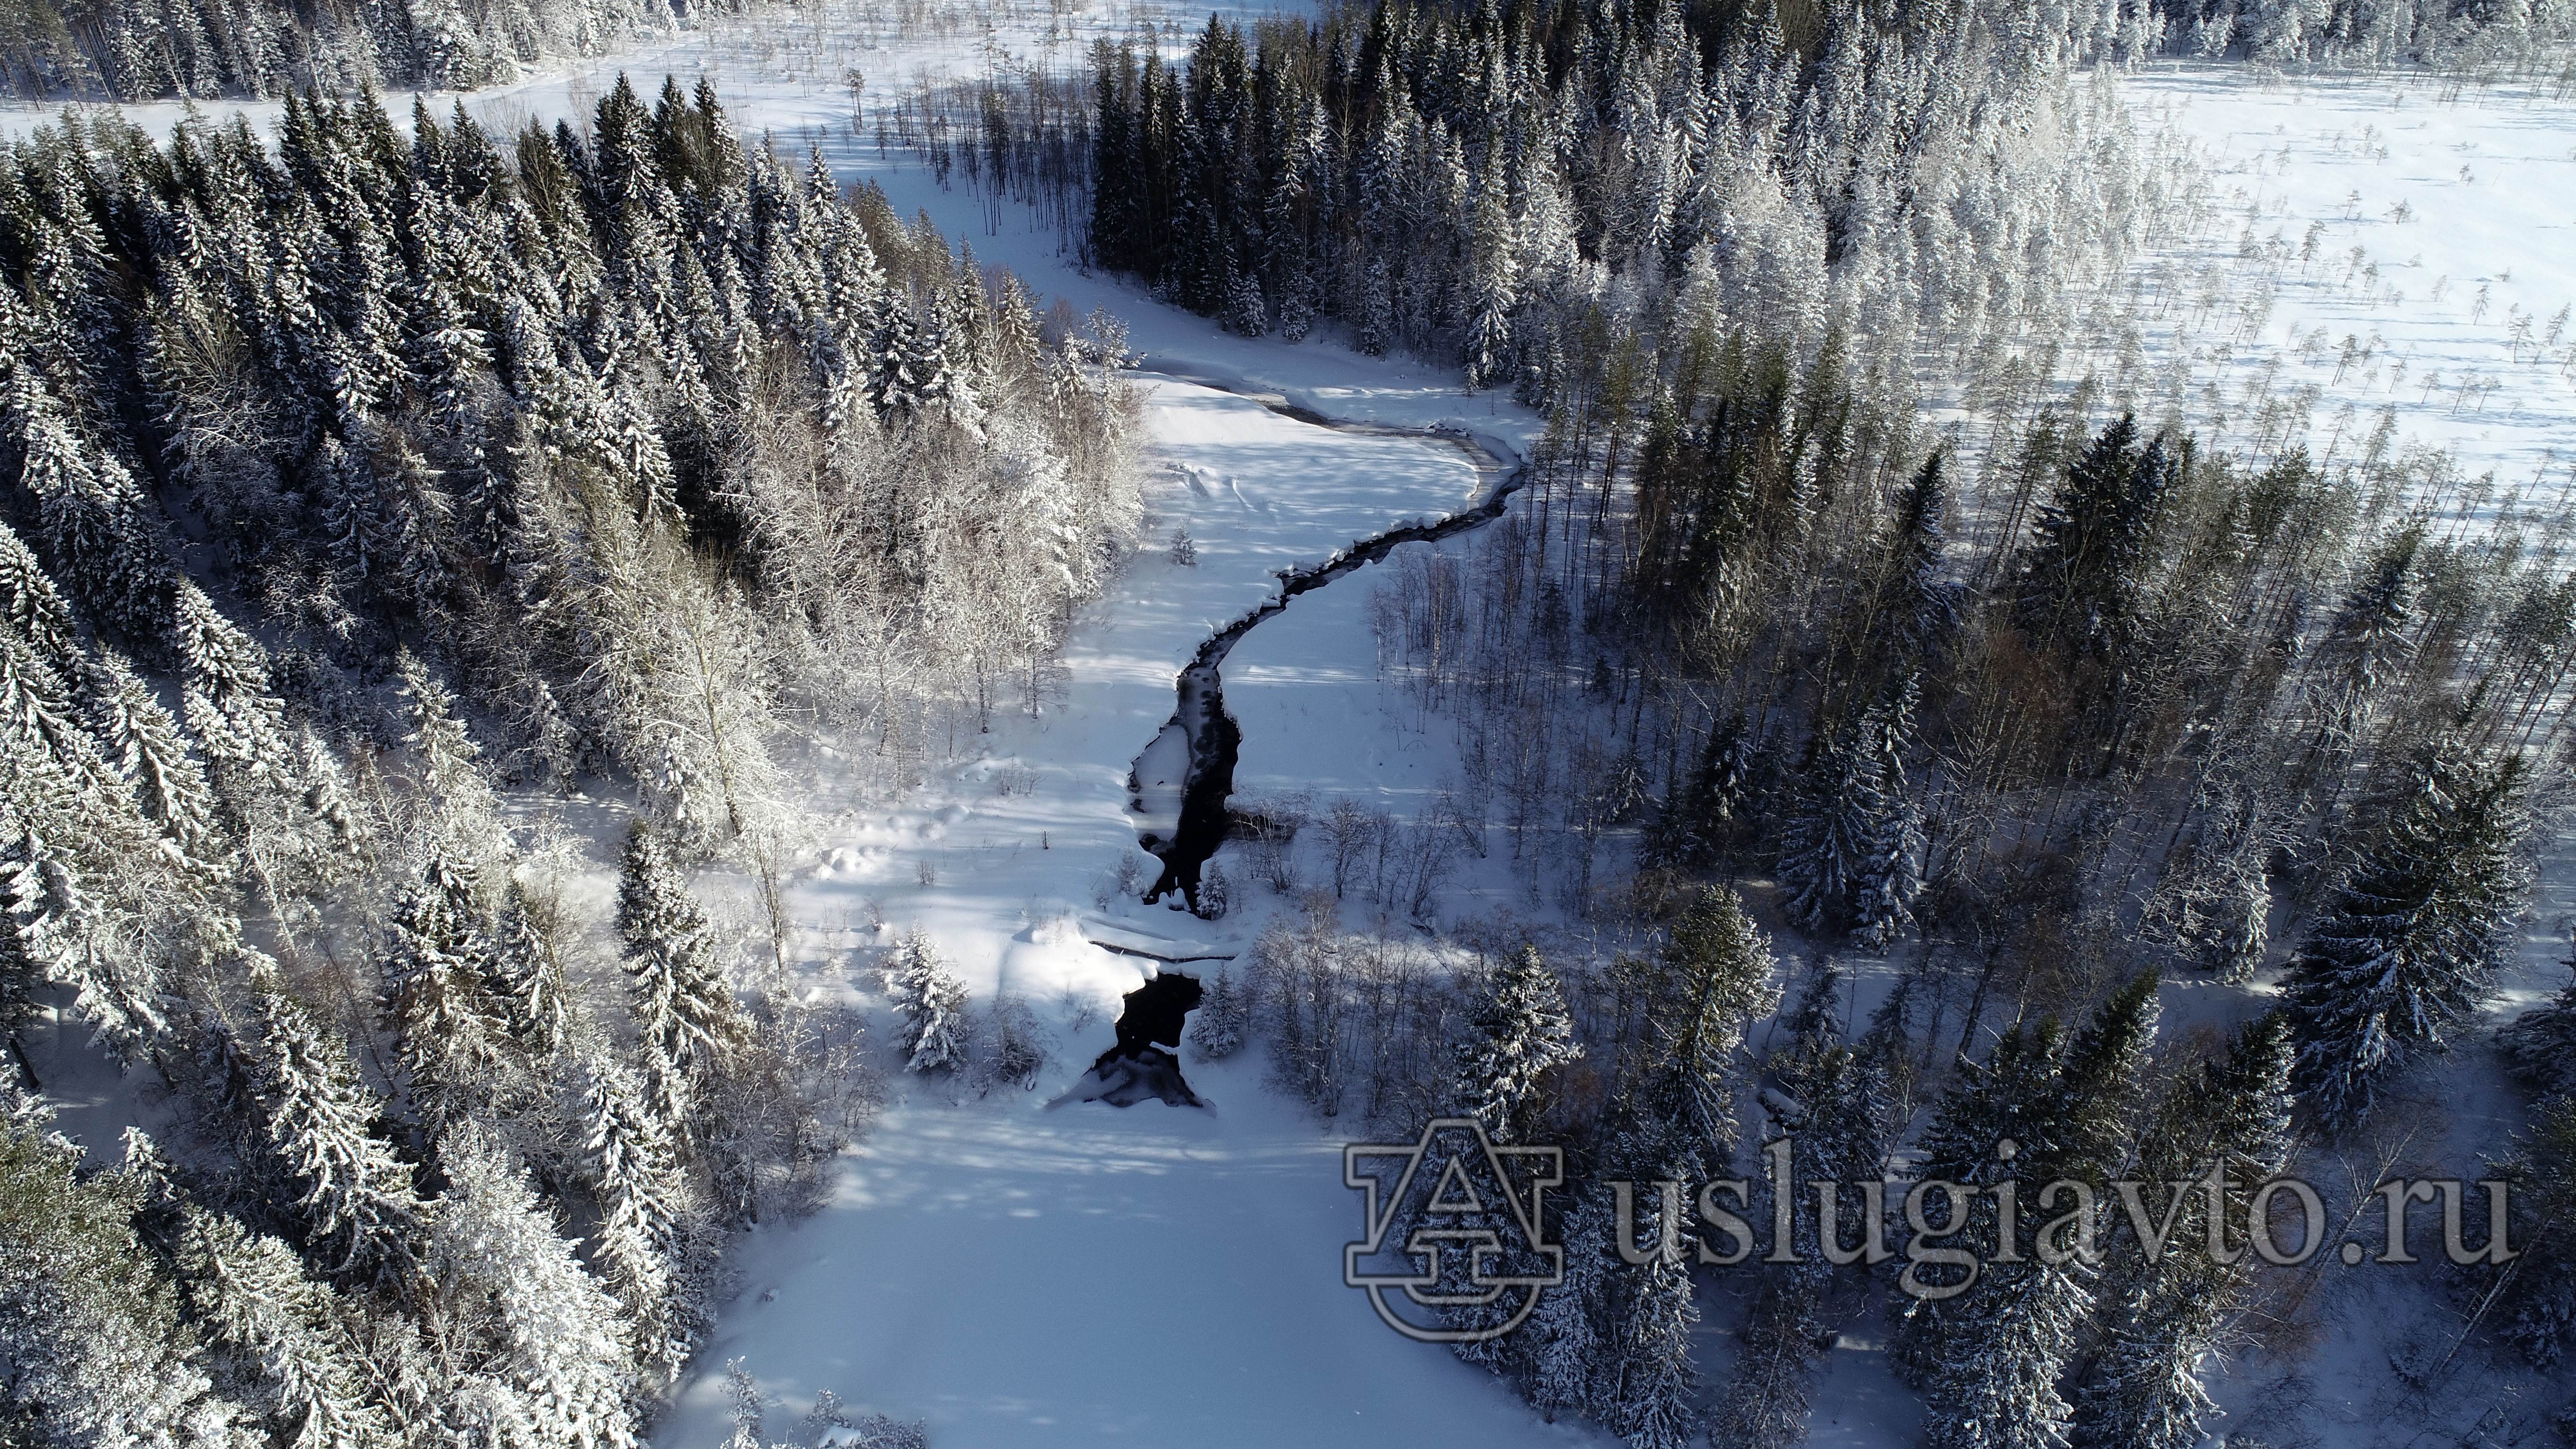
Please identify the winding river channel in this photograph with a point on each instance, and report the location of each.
(1199, 718)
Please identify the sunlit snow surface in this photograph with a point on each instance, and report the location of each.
(2487, 183)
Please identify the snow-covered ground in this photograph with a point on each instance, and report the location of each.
(1024, 1275)
(2411, 246)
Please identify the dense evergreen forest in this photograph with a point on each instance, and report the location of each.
(143, 49)
(650, 443)
(2044, 711)
(200, 49)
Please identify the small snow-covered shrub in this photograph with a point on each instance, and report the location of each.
(1010, 1047)
(875, 1431)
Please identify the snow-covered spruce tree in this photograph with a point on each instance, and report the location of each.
(1671, 1118)
(2083, 575)
(1696, 824)
(542, 1365)
(930, 999)
(528, 974)
(97, 1348)
(31, 604)
(2407, 943)
(143, 740)
(2369, 642)
(1989, 1358)
(438, 974)
(686, 1018)
(361, 1214)
(2167, 1307)
(1925, 603)
(255, 1299)
(1567, 1359)
(1891, 873)
(1851, 854)
(1651, 1397)
(1844, 1116)
(1701, 991)
(1516, 1035)
(54, 931)
(643, 1228)
(446, 754)
(1218, 1030)
(2239, 933)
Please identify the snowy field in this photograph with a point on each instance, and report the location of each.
(2419, 247)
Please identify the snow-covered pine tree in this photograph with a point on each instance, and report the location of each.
(1218, 1030)
(1518, 1033)
(686, 1018)
(548, 1369)
(931, 1001)
(2408, 943)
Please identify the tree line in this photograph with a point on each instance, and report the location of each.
(655, 447)
(134, 50)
